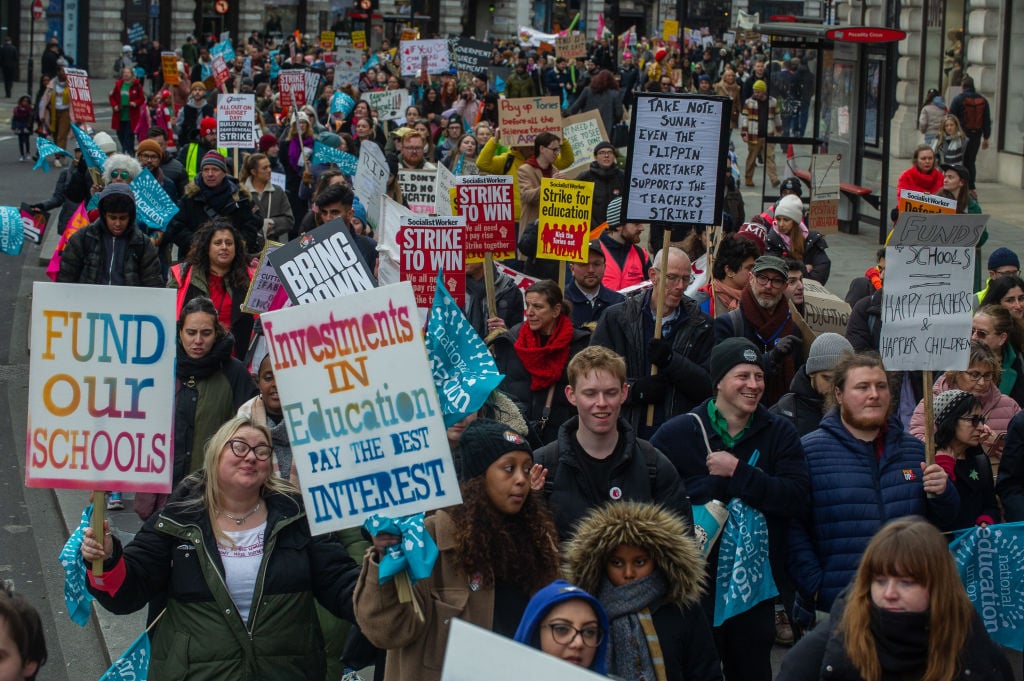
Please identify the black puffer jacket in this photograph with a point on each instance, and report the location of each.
(814, 254)
(608, 183)
(193, 211)
(803, 406)
(508, 300)
(637, 465)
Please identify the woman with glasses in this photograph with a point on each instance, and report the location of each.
(565, 621)
(229, 569)
(981, 379)
(994, 326)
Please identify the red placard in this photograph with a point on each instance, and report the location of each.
(292, 84)
(220, 71)
(865, 34)
(81, 96)
(486, 203)
(429, 244)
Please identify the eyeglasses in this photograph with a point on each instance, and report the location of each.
(1006, 273)
(120, 174)
(149, 156)
(564, 634)
(605, 152)
(677, 279)
(978, 377)
(976, 420)
(554, 149)
(241, 449)
(765, 280)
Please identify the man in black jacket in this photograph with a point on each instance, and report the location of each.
(508, 300)
(589, 297)
(597, 455)
(111, 251)
(608, 179)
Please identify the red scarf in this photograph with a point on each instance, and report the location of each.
(545, 362)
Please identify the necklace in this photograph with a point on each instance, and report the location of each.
(242, 519)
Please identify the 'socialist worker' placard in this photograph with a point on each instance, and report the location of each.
(359, 403)
(927, 304)
(487, 204)
(563, 226)
(676, 159)
(101, 388)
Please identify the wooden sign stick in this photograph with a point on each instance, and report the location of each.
(929, 419)
(661, 307)
(98, 499)
(492, 306)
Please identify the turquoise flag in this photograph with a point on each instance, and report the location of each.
(991, 565)
(76, 597)
(342, 103)
(464, 371)
(12, 230)
(415, 553)
(324, 154)
(155, 208)
(45, 148)
(370, 63)
(91, 152)
(133, 663)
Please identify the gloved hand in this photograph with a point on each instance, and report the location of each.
(649, 390)
(784, 348)
(804, 615)
(659, 351)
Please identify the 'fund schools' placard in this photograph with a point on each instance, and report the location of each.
(927, 304)
(676, 159)
(362, 413)
(101, 388)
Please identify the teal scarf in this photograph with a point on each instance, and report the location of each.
(1009, 378)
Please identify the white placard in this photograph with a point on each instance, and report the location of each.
(347, 61)
(363, 418)
(389, 104)
(435, 52)
(418, 189)
(101, 388)
(927, 304)
(676, 159)
(444, 182)
(236, 115)
(371, 180)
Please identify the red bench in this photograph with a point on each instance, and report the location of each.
(853, 190)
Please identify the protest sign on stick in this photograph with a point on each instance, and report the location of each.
(677, 159)
(362, 413)
(431, 53)
(371, 180)
(823, 215)
(471, 56)
(563, 226)
(389, 104)
(320, 264)
(220, 71)
(584, 131)
(169, 67)
(430, 245)
(292, 85)
(418, 189)
(265, 286)
(236, 115)
(486, 202)
(571, 46)
(81, 96)
(521, 120)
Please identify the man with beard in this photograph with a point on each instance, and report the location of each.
(763, 317)
(864, 471)
(731, 447)
(626, 262)
(681, 354)
(589, 297)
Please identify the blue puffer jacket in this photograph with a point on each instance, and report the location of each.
(853, 493)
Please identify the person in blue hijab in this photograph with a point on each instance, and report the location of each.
(565, 621)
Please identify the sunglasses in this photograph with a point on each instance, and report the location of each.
(120, 174)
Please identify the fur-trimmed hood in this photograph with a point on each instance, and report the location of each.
(649, 526)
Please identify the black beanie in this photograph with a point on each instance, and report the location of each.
(729, 353)
(484, 442)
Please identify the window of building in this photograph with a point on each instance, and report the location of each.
(1011, 119)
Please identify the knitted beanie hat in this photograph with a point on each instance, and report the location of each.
(825, 352)
(485, 441)
(945, 404)
(791, 207)
(213, 158)
(1001, 257)
(151, 146)
(729, 353)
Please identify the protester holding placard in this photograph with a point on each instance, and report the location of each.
(546, 149)
(495, 159)
(271, 200)
(198, 561)
(496, 549)
(534, 356)
(905, 615)
(922, 175)
(216, 267)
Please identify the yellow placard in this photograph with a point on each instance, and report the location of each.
(563, 228)
(327, 40)
(169, 65)
(670, 31)
(409, 34)
(359, 40)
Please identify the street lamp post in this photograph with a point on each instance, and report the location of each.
(37, 13)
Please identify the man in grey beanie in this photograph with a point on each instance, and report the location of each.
(804, 404)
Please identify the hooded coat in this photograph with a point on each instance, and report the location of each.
(560, 591)
(684, 632)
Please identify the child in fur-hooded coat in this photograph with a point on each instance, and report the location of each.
(639, 561)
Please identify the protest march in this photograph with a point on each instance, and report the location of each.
(428, 358)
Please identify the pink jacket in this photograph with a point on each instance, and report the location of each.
(996, 406)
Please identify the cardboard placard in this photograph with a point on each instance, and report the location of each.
(677, 159)
(101, 388)
(389, 104)
(292, 85)
(571, 46)
(371, 180)
(418, 189)
(444, 184)
(81, 96)
(823, 215)
(823, 310)
(362, 413)
(236, 121)
(321, 264)
(563, 229)
(430, 245)
(928, 299)
(169, 66)
(432, 54)
(521, 120)
(910, 201)
(486, 202)
(265, 285)
(583, 132)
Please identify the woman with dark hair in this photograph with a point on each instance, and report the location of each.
(273, 203)
(603, 96)
(565, 621)
(929, 121)
(730, 271)
(534, 354)
(546, 148)
(1007, 291)
(955, 185)
(960, 428)
(496, 549)
(430, 107)
(216, 268)
(922, 176)
(904, 616)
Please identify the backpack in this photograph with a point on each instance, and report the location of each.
(974, 113)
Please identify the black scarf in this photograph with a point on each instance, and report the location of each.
(219, 196)
(189, 369)
(901, 640)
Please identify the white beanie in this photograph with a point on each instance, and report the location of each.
(791, 207)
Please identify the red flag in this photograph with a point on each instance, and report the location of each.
(78, 220)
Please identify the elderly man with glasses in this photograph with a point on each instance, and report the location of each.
(680, 355)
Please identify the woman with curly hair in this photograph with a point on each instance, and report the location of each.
(215, 268)
(904, 616)
(496, 550)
